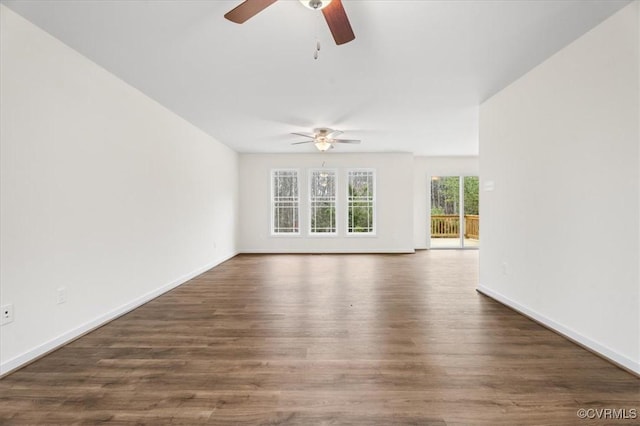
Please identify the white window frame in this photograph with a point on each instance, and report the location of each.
(311, 200)
(273, 204)
(374, 197)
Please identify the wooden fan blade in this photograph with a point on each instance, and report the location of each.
(345, 141)
(306, 135)
(298, 143)
(247, 9)
(338, 22)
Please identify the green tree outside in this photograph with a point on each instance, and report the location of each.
(445, 195)
(360, 213)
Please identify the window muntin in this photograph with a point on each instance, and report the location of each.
(322, 202)
(360, 202)
(285, 202)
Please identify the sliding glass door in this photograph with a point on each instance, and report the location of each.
(445, 212)
(471, 217)
(455, 220)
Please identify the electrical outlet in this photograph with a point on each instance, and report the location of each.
(505, 268)
(6, 314)
(61, 295)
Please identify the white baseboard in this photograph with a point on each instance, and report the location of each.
(46, 347)
(603, 351)
(331, 251)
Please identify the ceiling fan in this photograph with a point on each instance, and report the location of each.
(332, 10)
(323, 138)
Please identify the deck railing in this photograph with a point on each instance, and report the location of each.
(448, 226)
(472, 226)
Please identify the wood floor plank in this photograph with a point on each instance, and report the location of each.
(321, 339)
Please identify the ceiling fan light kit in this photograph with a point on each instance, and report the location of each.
(324, 138)
(323, 145)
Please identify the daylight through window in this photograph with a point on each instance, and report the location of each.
(322, 202)
(361, 202)
(285, 202)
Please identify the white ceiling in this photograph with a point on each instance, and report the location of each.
(411, 81)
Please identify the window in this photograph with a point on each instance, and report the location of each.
(285, 202)
(322, 202)
(361, 202)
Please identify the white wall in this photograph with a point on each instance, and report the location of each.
(560, 230)
(103, 191)
(424, 168)
(394, 192)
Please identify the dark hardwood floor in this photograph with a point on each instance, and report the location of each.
(321, 339)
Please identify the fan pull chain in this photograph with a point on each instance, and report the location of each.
(316, 54)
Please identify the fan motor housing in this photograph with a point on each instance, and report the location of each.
(315, 4)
